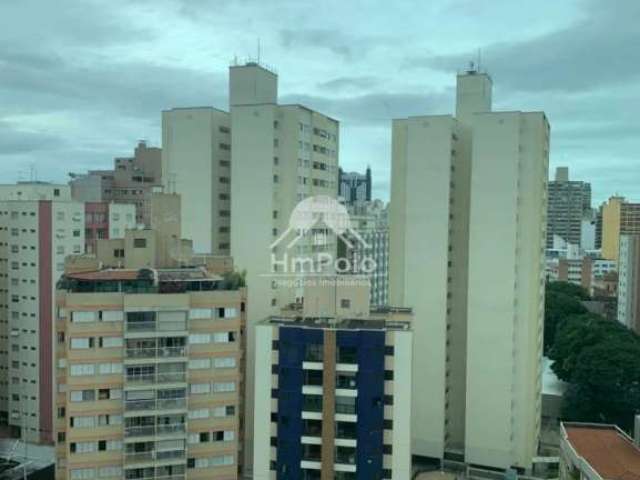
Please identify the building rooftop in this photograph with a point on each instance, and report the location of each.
(339, 323)
(606, 448)
(146, 280)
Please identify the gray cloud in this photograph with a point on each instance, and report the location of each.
(595, 51)
(349, 83)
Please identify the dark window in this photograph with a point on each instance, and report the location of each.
(139, 242)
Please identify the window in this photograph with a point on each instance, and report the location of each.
(83, 473)
(197, 388)
(224, 362)
(139, 243)
(83, 317)
(82, 369)
(110, 342)
(220, 387)
(199, 313)
(82, 395)
(200, 413)
(80, 343)
(223, 337)
(118, 253)
(109, 368)
(82, 422)
(199, 363)
(199, 338)
(112, 315)
(345, 303)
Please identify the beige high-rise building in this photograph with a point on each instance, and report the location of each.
(282, 154)
(468, 200)
(196, 162)
(148, 362)
(39, 226)
(619, 217)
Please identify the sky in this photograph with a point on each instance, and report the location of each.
(82, 81)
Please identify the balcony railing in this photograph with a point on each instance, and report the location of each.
(152, 456)
(159, 352)
(152, 430)
(152, 378)
(160, 404)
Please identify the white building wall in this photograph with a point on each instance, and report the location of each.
(402, 422)
(262, 406)
(196, 159)
(506, 238)
(626, 281)
(122, 217)
(419, 225)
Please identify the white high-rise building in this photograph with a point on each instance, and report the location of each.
(282, 154)
(468, 202)
(39, 226)
(196, 163)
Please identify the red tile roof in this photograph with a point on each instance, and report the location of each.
(609, 453)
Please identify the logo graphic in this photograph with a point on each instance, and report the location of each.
(320, 227)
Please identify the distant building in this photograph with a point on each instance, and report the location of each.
(333, 389)
(132, 181)
(148, 360)
(106, 220)
(369, 220)
(569, 203)
(619, 217)
(39, 226)
(597, 452)
(354, 186)
(629, 282)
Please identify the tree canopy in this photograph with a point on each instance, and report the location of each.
(598, 357)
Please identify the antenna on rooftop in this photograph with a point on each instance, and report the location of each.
(258, 50)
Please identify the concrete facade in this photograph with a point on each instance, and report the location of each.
(333, 393)
(39, 227)
(196, 161)
(132, 181)
(282, 154)
(468, 196)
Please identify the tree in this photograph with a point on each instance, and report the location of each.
(578, 332)
(558, 307)
(569, 289)
(606, 383)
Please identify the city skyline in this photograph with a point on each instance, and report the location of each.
(121, 67)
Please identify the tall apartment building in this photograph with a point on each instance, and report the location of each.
(148, 366)
(106, 220)
(355, 186)
(333, 389)
(196, 161)
(483, 176)
(619, 217)
(629, 282)
(569, 203)
(132, 181)
(282, 155)
(369, 220)
(39, 226)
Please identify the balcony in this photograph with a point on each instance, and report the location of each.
(159, 352)
(312, 403)
(154, 430)
(160, 404)
(152, 456)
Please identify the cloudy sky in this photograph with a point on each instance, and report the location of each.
(82, 80)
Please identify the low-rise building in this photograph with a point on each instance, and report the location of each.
(597, 452)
